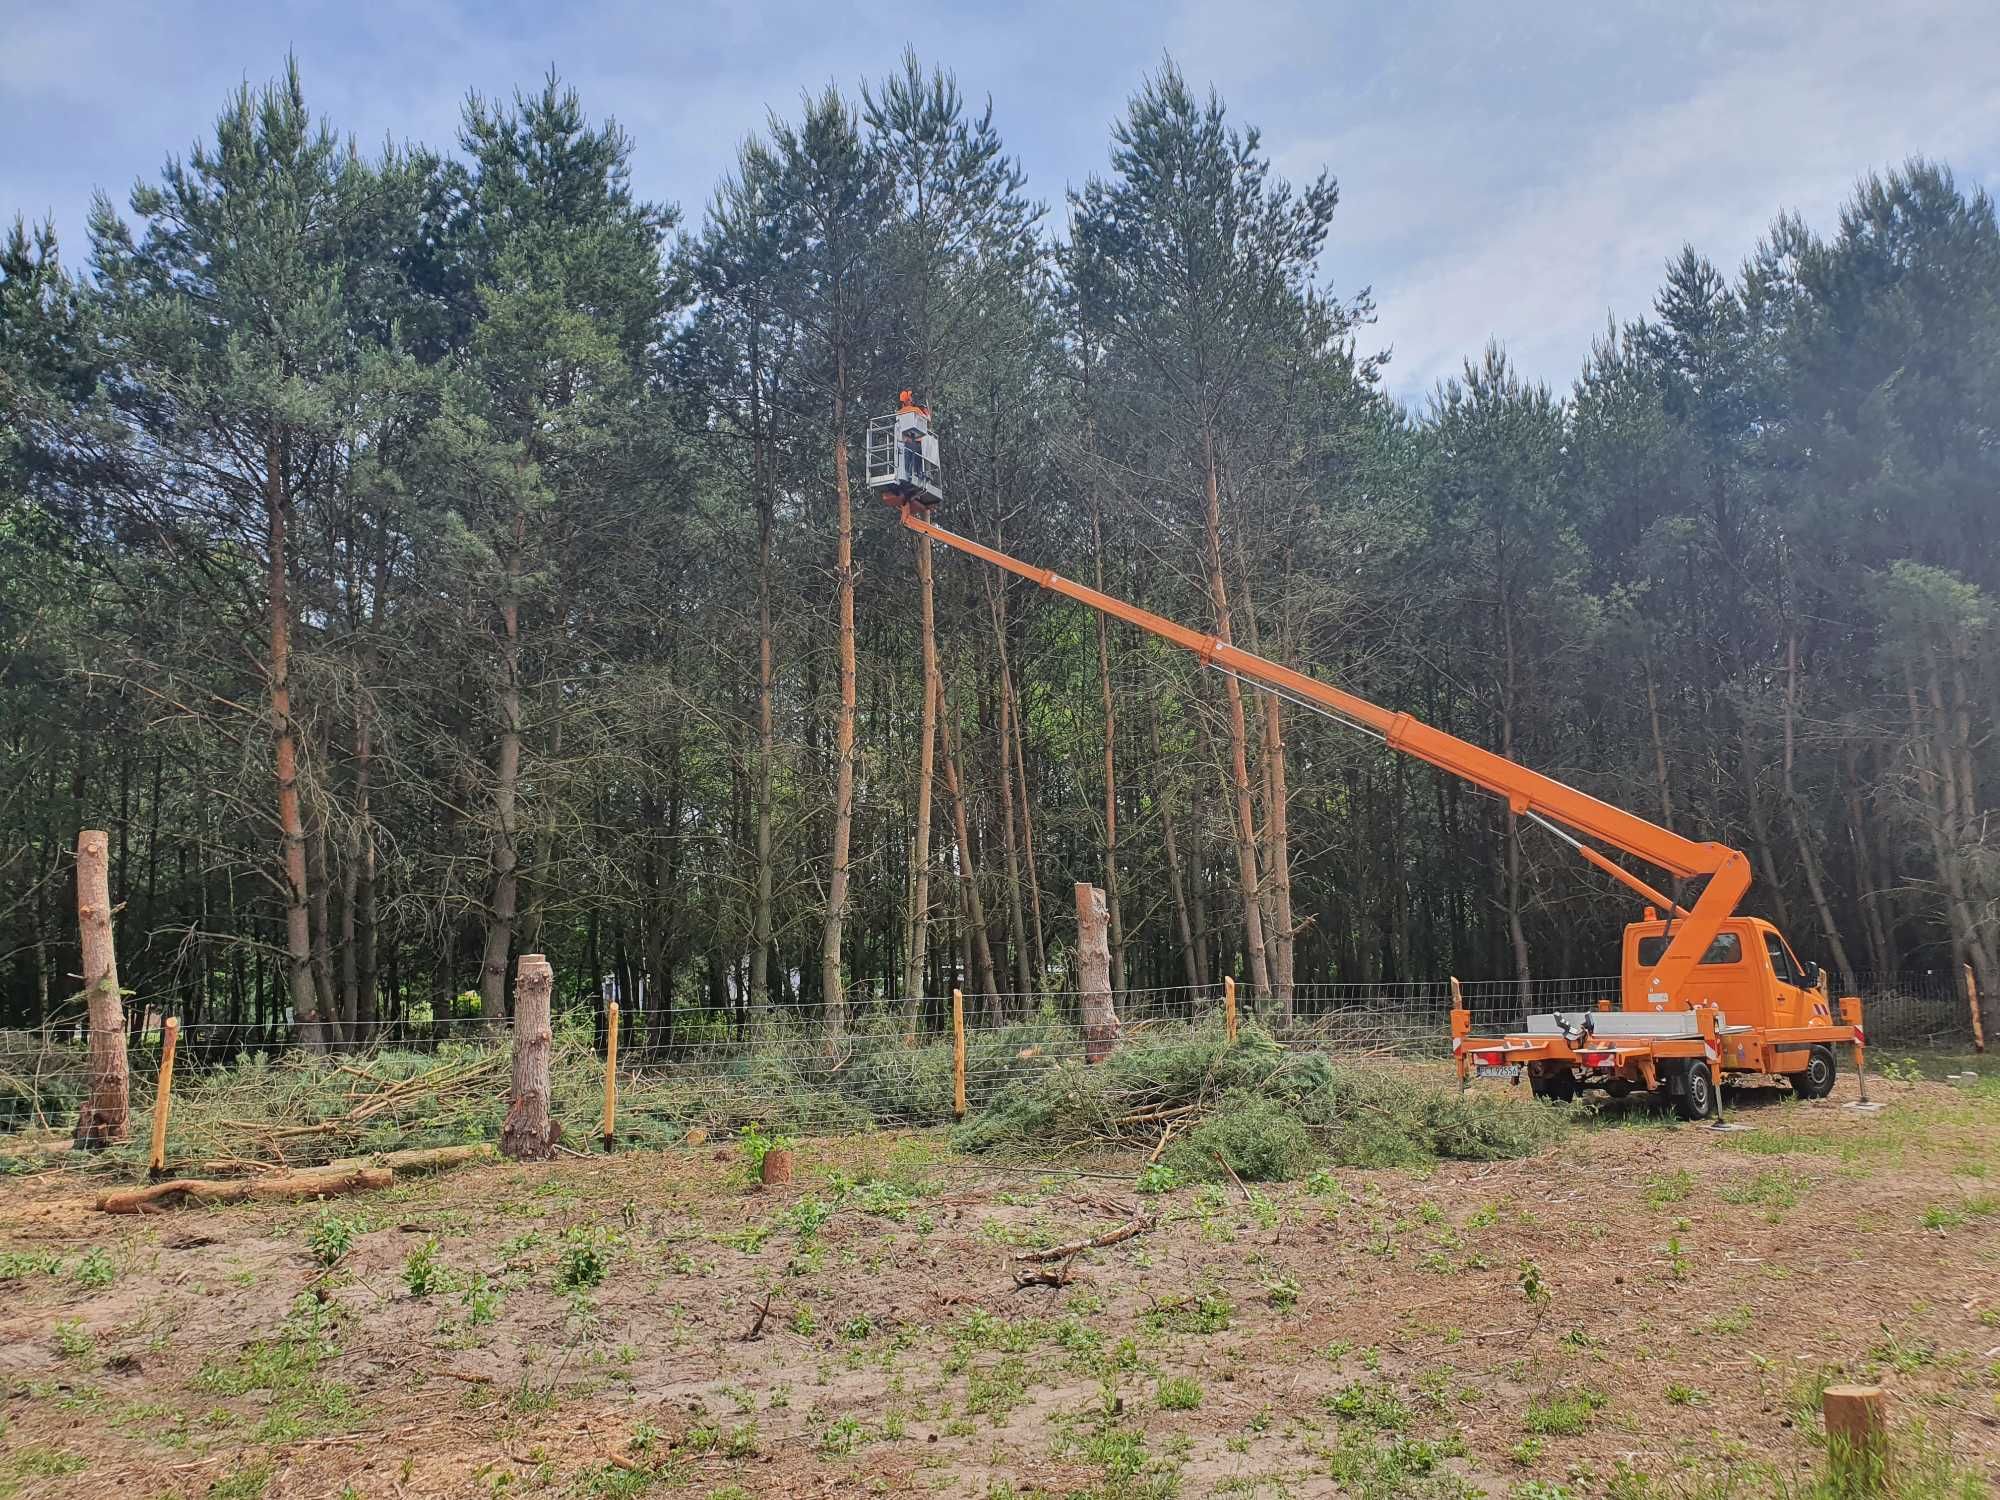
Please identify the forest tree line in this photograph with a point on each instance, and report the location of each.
(422, 558)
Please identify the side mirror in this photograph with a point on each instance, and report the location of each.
(1812, 975)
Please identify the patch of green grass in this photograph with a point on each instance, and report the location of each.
(1177, 1393)
(73, 1341)
(1207, 1313)
(1663, 1188)
(994, 1392)
(46, 1463)
(423, 1273)
(1564, 1413)
(18, 1265)
(1158, 1177)
(583, 1261)
(1942, 1216)
(1684, 1395)
(247, 1483)
(333, 1234)
(1376, 1403)
(1776, 1189)
(96, 1270)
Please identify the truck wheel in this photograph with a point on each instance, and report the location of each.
(1696, 1099)
(1815, 1080)
(1557, 1085)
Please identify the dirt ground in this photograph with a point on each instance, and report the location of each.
(1650, 1309)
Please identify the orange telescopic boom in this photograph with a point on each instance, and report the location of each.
(1564, 810)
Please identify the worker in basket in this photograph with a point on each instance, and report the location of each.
(913, 457)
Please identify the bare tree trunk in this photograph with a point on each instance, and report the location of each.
(1113, 904)
(920, 835)
(968, 872)
(1093, 974)
(1867, 893)
(529, 1132)
(832, 992)
(1017, 929)
(1516, 935)
(1277, 824)
(1795, 816)
(322, 925)
(1027, 833)
(105, 1117)
(291, 821)
(1176, 885)
(504, 902)
(1245, 822)
(1659, 746)
(362, 903)
(767, 738)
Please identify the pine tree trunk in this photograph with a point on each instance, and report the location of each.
(920, 835)
(1176, 885)
(1239, 765)
(366, 984)
(974, 906)
(1027, 833)
(767, 738)
(105, 1118)
(503, 904)
(530, 1133)
(322, 933)
(1113, 904)
(832, 992)
(1277, 825)
(291, 821)
(1017, 929)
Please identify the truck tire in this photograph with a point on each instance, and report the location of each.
(1696, 1097)
(1557, 1085)
(1816, 1079)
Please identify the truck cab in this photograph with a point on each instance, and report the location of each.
(1749, 973)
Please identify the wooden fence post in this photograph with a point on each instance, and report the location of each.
(170, 1033)
(529, 1133)
(1093, 973)
(1229, 1010)
(106, 1114)
(958, 1053)
(1857, 1437)
(611, 1076)
(1972, 999)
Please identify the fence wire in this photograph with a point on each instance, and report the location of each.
(875, 1063)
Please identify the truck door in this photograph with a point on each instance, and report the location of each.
(1788, 1004)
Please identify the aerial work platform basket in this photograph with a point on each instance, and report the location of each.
(901, 457)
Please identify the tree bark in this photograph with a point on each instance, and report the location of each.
(291, 822)
(920, 835)
(1093, 974)
(1176, 884)
(1113, 905)
(1277, 824)
(1017, 929)
(833, 996)
(529, 1133)
(1245, 822)
(105, 1117)
(767, 738)
(974, 906)
(504, 902)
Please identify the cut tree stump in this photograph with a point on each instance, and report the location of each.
(1857, 1436)
(199, 1191)
(777, 1167)
(530, 1133)
(1093, 972)
(105, 1118)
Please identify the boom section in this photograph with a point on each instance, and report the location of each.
(1526, 792)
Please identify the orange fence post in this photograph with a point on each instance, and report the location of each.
(958, 1053)
(1461, 1028)
(1229, 1010)
(611, 1076)
(163, 1096)
(1972, 999)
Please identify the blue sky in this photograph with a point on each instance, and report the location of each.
(1510, 171)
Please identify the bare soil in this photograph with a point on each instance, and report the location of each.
(1647, 1308)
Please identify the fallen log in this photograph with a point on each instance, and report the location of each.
(278, 1186)
(1140, 1223)
(420, 1160)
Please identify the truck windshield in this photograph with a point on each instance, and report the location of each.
(1782, 963)
(1726, 949)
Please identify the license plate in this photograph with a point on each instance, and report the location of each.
(1511, 1071)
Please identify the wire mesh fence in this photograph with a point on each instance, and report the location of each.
(444, 1080)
